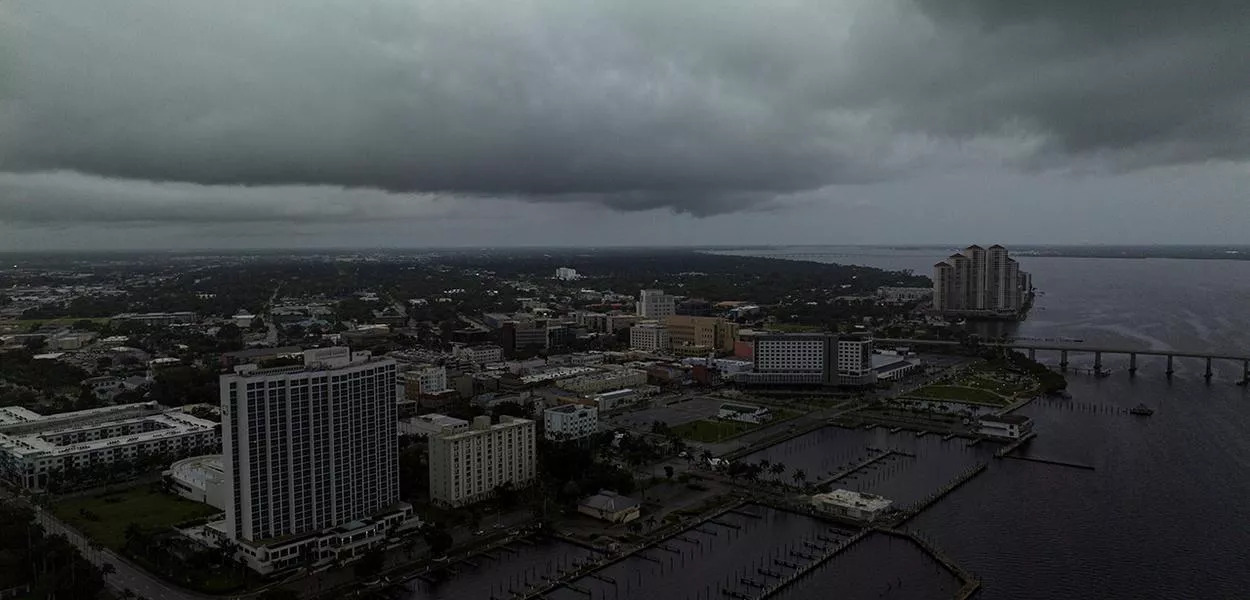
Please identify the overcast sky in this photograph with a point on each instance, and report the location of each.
(304, 123)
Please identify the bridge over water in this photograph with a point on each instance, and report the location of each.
(1098, 351)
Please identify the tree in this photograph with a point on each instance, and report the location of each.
(438, 539)
(278, 594)
(133, 533)
(777, 469)
(668, 471)
(371, 563)
(799, 476)
(107, 569)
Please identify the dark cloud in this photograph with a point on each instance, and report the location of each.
(634, 104)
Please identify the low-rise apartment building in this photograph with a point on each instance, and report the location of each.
(469, 466)
(35, 449)
(569, 422)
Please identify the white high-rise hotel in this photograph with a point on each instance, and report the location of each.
(309, 448)
(810, 359)
(978, 281)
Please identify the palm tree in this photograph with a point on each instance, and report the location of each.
(132, 533)
(777, 469)
(799, 476)
(765, 464)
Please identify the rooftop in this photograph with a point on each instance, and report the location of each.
(31, 439)
(1008, 419)
(852, 499)
(609, 501)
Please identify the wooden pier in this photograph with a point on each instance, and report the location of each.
(1049, 461)
(969, 583)
(812, 564)
(1009, 448)
(942, 492)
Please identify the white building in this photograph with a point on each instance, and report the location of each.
(604, 380)
(201, 479)
(893, 367)
(567, 274)
(312, 458)
(35, 448)
(481, 354)
(726, 366)
(1011, 427)
(898, 295)
(651, 337)
(851, 505)
(810, 359)
(570, 422)
(744, 413)
(432, 425)
(469, 466)
(428, 379)
(655, 304)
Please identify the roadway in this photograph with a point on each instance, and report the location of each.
(1072, 348)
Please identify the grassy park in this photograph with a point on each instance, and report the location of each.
(984, 384)
(717, 430)
(105, 517)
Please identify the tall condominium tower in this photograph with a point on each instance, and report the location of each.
(309, 447)
(979, 281)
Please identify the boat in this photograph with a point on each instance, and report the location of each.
(1142, 409)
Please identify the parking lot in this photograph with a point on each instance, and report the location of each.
(676, 413)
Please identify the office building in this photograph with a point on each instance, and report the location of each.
(602, 380)
(36, 449)
(311, 453)
(469, 466)
(655, 304)
(650, 337)
(711, 332)
(981, 282)
(567, 274)
(423, 380)
(480, 354)
(570, 422)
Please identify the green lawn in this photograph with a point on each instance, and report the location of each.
(26, 323)
(151, 510)
(960, 394)
(710, 430)
(714, 430)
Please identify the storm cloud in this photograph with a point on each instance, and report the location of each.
(193, 110)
